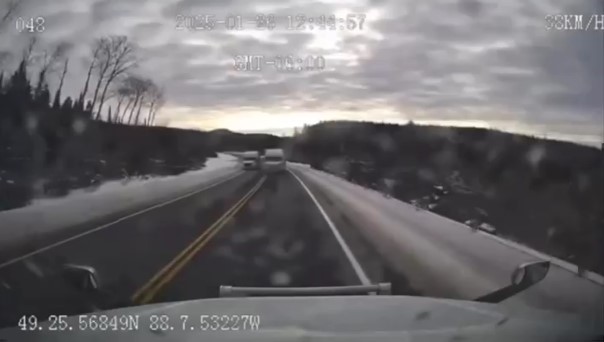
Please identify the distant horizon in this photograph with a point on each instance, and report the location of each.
(591, 141)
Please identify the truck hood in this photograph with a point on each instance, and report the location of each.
(346, 318)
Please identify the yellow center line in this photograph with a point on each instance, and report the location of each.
(166, 274)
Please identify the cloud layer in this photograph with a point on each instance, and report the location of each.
(476, 61)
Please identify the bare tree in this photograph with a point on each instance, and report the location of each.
(62, 79)
(123, 92)
(50, 61)
(139, 87)
(121, 58)
(156, 101)
(96, 49)
(120, 100)
(150, 98)
(147, 90)
(138, 93)
(132, 88)
(139, 106)
(128, 104)
(29, 50)
(103, 62)
(134, 104)
(12, 7)
(57, 100)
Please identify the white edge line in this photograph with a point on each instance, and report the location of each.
(565, 265)
(353, 261)
(93, 230)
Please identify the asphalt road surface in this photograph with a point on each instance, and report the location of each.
(278, 229)
(252, 230)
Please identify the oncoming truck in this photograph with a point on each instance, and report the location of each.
(251, 160)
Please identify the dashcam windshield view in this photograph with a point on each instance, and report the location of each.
(326, 170)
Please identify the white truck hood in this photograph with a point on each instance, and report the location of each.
(343, 318)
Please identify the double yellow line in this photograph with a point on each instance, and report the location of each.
(146, 293)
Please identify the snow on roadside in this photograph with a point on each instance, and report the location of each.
(426, 260)
(444, 256)
(440, 222)
(80, 206)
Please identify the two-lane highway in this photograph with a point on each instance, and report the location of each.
(278, 239)
(252, 230)
(294, 228)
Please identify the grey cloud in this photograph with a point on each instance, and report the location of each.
(145, 30)
(210, 7)
(103, 10)
(279, 44)
(477, 59)
(433, 55)
(472, 8)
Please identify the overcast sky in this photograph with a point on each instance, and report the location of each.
(460, 62)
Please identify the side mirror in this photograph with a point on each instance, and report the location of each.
(523, 277)
(81, 277)
(93, 294)
(530, 273)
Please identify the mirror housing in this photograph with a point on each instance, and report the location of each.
(87, 288)
(83, 278)
(523, 277)
(530, 273)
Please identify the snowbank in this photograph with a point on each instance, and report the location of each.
(80, 206)
(443, 257)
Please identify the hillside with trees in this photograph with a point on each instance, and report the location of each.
(52, 142)
(48, 149)
(543, 193)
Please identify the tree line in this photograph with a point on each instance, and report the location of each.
(51, 143)
(546, 194)
(111, 76)
(53, 140)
